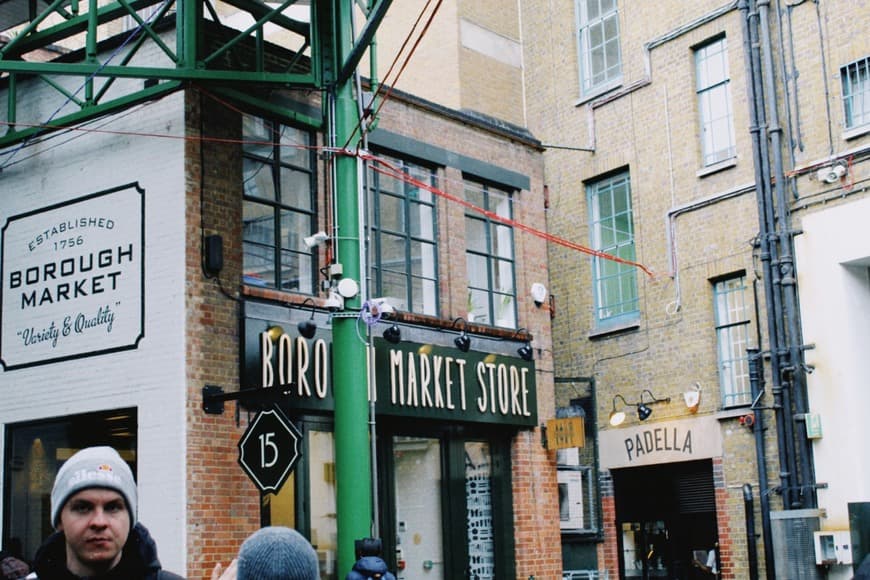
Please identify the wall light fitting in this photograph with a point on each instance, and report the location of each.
(308, 328)
(617, 416)
(393, 334)
(525, 351)
(462, 342)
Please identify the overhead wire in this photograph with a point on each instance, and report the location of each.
(89, 78)
(392, 83)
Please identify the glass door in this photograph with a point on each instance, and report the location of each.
(418, 522)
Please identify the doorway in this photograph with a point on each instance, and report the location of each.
(666, 519)
(447, 504)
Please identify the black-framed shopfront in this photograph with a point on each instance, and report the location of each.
(444, 424)
(665, 496)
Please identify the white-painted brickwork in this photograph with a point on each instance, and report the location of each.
(151, 377)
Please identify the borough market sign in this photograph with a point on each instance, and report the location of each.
(73, 279)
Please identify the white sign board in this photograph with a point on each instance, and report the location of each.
(73, 279)
(661, 442)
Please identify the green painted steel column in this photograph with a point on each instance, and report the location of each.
(352, 453)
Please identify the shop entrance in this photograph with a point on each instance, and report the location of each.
(666, 520)
(447, 505)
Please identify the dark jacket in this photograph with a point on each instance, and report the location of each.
(370, 567)
(138, 560)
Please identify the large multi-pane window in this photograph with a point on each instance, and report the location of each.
(855, 78)
(713, 87)
(279, 207)
(404, 266)
(598, 39)
(732, 339)
(612, 231)
(489, 257)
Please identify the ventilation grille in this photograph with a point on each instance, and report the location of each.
(793, 546)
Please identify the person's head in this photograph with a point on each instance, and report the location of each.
(277, 553)
(93, 503)
(367, 547)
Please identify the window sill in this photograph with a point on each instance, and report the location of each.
(598, 92)
(607, 331)
(717, 167)
(855, 132)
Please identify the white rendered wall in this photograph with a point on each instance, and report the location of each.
(150, 377)
(833, 264)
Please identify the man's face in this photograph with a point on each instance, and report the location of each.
(96, 524)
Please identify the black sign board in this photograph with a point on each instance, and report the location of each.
(269, 449)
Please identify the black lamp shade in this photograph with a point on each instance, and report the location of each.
(393, 334)
(462, 342)
(643, 412)
(307, 328)
(526, 352)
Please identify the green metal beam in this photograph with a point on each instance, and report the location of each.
(17, 135)
(379, 10)
(191, 74)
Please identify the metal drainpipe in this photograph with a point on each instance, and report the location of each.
(756, 381)
(750, 531)
(803, 448)
(762, 181)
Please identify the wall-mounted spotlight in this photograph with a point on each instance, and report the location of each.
(617, 416)
(643, 411)
(525, 351)
(462, 342)
(315, 240)
(393, 334)
(308, 328)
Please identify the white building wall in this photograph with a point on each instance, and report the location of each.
(833, 264)
(151, 377)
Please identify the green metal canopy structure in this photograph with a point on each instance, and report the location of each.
(100, 55)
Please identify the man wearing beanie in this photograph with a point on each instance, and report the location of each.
(93, 509)
(273, 553)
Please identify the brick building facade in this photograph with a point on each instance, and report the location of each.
(198, 165)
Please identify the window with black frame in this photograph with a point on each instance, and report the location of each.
(279, 206)
(33, 454)
(404, 265)
(489, 258)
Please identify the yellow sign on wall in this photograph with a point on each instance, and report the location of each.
(564, 433)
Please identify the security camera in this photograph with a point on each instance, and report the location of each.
(383, 305)
(315, 239)
(832, 173)
(334, 301)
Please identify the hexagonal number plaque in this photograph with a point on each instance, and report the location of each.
(269, 449)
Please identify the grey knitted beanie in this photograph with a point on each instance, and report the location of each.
(277, 553)
(93, 467)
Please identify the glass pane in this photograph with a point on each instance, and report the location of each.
(257, 136)
(294, 147)
(478, 306)
(419, 541)
(475, 235)
(502, 241)
(422, 221)
(478, 272)
(321, 479)
(258, 233)
(395, 284)
(296, 189)
(391, 213)
(258, 180)
(478, 498)
(422, 259)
